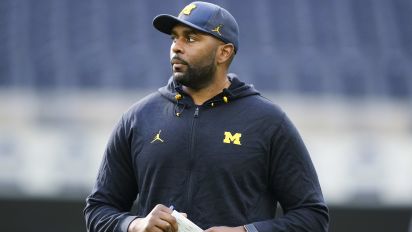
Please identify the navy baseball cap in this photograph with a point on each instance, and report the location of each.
(203, 16)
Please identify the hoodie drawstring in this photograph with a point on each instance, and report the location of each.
(177, 110)
(225, 99)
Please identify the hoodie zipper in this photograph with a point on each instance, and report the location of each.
(192, 158)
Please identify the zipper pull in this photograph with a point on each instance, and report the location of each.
(196, 112)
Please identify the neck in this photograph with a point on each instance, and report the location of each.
(200, 96)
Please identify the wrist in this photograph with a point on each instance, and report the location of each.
(134, 225)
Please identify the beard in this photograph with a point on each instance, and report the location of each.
(196, 77)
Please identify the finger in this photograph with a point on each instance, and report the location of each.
(169, 218)
(164, 226)
(157, 224)
(164, 213)
(213, 229)
(184, 215)
(163, 208)
(155, 229)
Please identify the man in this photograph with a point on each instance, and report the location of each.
(207, 144)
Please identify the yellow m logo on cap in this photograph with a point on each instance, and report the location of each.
(229, 138)
(188, 9)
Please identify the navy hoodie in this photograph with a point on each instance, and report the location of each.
(227, 162)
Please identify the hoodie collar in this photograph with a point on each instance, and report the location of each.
(174, 93)
(237, 89)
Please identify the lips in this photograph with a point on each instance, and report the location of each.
(178, 64)
(178, 67)
(176, 61)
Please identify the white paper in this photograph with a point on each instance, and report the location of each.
(184, 224)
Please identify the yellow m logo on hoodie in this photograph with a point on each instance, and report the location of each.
(229, 138)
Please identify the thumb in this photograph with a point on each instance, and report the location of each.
(211, 229)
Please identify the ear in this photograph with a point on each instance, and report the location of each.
(224, 53)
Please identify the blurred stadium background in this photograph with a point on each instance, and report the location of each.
(342, 69)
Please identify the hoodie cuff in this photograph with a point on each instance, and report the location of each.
(124, 224)
(250, 228)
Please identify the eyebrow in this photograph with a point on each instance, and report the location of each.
(187, 31)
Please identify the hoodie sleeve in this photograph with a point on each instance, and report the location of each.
(294, 183)
(107, 207)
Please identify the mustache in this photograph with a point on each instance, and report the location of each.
(179, 59)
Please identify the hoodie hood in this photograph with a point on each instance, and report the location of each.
(237, 89)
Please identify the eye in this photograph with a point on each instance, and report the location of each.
(191, 38)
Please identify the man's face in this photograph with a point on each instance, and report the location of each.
(193, 57)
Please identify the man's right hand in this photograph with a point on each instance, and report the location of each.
(158, 220)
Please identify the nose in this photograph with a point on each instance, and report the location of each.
(176, 46)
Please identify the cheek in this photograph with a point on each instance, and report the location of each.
(206, 58)
(171, 53)
(203, 56)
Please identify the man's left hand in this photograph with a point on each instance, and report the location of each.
(226, 229)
